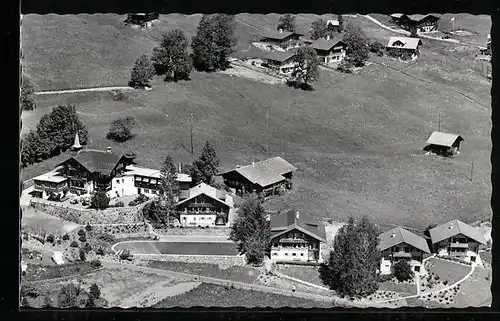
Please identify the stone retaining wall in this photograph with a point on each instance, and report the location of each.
(208, 259)
(84, 216)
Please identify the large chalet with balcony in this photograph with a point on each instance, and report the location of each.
(268, 177)
(282, 40)
(204, 205)
(296, 237)
(399, 244)
(418, 22)
(330, 49)
(457, 239)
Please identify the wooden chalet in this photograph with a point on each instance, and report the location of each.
(268, 177)
(282, 63)
(418, 22)
(457, 239)
(283, 39)
(296, 237)
(141, 19)
(402, 45)
(399, 244)
(330, 50)
(444, 144)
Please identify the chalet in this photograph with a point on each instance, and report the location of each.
(141, 19)
(444, 144)
(281, 62)
(204, 205)
(330, 50)
(400, 46)
(399, 244)
(283, 39)
(457, 239)
(89, 170)
(296, 237)
(268, 177)
(421, 23)
(486, 50)
(333, 25)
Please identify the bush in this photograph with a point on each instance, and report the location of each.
(403, 271)
(99, 200)
(377, 48)
(88, 228)
(99, 251)
(82, 239)
(132, 203)
(82, 254)
(74, 244)
(50, 238)
(119, 204)
(385, 277)
(95, 263)
(81, 233)
(121, 129)
(125, 255)
(87, 248)
(345, 66)
(445, 282)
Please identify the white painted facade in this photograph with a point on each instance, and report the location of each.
(196, 220)
(416, 266)
(294, 254)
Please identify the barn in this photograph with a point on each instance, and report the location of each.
(444, 144)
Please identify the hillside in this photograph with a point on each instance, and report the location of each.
(356, 139)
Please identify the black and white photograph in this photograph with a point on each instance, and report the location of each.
(255, 160)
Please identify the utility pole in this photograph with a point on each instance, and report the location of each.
(472, 168)
(267, 127)
(439, 122)
(191, 118)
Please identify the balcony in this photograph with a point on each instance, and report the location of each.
(401, 255)
(459, 245)
(52, 189)
(293, 241)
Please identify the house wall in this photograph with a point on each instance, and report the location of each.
(335, 56)
(202, 219)
(444, 247)
(416, 254)
(308, 250)
(203, 210)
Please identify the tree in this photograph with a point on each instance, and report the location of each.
(287, 23)
(82, 254)
(27, 94)
(121, 129)
(357, 45)
(319, 29)
(402, 271)
(340, 19)
(377, 48)
(68, 295)
(213, 42)
(34, 148)
(94, 294)
(169, 189)
(351, 269)
(142, 72)
(251, 229)
(306, 68)
(99, 200)
(170, 57)
(206, 166)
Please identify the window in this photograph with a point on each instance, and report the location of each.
(117, 181)
(194, 218)
(417, 268)
(202, 218)
(294, 254)
(123, 180)
(301, 254)
(407, 249)
(274, 253)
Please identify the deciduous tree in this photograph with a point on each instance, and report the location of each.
(99, 200)
(319, 29)
(142, 73)
(206, 166)
(121, 129)
(306, 70)
(340, 19)
(357, 45)
(402, 271)
(287, 23)
(170, 57)
(213, 42)
(68, 295)
(34, 148)
(351, 269)
(251, 229)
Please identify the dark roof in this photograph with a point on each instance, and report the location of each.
(278, 35)
(399, 235)
(453, 228)
(96, 160)
(266, 172)
(326, 44)
(202, 188)
(287, 221)
(280, 56)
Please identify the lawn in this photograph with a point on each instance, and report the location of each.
(447, 270)
(209, 295)
(403, 288)
(51, 224)
(356, 139)
(305, 273)
(182, 248)
(234, 273)
(475, 291)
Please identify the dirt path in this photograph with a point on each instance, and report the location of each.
(157, 293)
(72, 91)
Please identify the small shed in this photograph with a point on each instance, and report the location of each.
(444, 144)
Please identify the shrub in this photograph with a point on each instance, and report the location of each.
(94, 290)
(74, 244)
(119, 204)
(81, 233)
(95, 263)
(82, 255)
(377, 48)
(436, 277)
(403, 271)
(345, 66)
(82, 239)
(132, 203)
(125, 255)
(445, 282)
(88, 228)
(99, 251)
(50, 238)
(385, 277)
(99, 200)
(87, 248)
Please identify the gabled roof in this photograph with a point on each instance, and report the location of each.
(453, 228)
(280, 56)
(287, 221)
(407, 43)
(53, 176)
(443, 139)
(266, 172)
(326, 44)
(333, 22)
(397, 15)
(276, 35)
(154, 173)
(96, 160)
(202, 188)
(399, 235)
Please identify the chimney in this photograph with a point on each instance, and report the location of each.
(450, 227)
(109, 150)
(297, 215)
(393, 234)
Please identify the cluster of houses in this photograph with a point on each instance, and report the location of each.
(418, 22)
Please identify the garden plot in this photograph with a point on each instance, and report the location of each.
(442, 273)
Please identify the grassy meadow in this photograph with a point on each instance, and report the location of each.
(357, 139)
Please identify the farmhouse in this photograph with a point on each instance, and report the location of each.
(457, 239)
(296, 237)
(89, 170)
(141, 19)
(444, 144)
(204, 205)
(280, 62)
(269, 177)
(283, 39)
(422, 23)
(403, 47)
(330, 50)
(399, 244)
